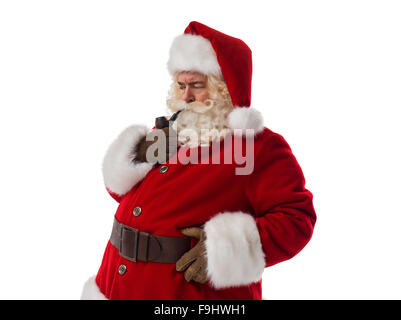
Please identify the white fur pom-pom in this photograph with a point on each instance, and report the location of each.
(245, 121)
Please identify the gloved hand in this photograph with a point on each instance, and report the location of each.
(170, 146)
(194, 261)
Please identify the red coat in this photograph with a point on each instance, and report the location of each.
(251, 221)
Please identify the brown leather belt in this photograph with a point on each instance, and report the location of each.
(136, 245)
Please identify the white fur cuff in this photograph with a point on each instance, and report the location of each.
(234, 250)
(120, 174)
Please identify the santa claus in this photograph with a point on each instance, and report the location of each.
(196, 227)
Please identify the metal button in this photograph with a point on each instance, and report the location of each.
(163, 169)
(122, 269)
(137, 211)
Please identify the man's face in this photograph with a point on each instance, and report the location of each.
(193, 86)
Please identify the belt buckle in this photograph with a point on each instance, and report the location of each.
(128, 243)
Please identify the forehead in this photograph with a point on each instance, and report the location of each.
(190, 76)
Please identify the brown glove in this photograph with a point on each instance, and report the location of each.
(194, 261)
(170, 146)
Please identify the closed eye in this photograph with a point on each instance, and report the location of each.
(194, 85)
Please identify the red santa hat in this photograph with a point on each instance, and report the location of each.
(209, 51)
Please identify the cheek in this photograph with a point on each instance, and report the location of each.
(202, 96)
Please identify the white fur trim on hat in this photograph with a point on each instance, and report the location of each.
(245, 121)
(120, 174)
(91, 290)
(234, 250)
(193, 53)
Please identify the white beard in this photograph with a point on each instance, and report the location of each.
(198, 124)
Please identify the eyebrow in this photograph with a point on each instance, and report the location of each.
(192, 83)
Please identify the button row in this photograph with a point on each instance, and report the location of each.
(137, 210)
(122, 269)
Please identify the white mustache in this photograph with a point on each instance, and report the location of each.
(196, 106)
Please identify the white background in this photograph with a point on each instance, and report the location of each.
(73, 74)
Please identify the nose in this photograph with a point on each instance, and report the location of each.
(187, 96)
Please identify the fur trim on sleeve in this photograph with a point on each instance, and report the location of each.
(234, 250)
(120, 173)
